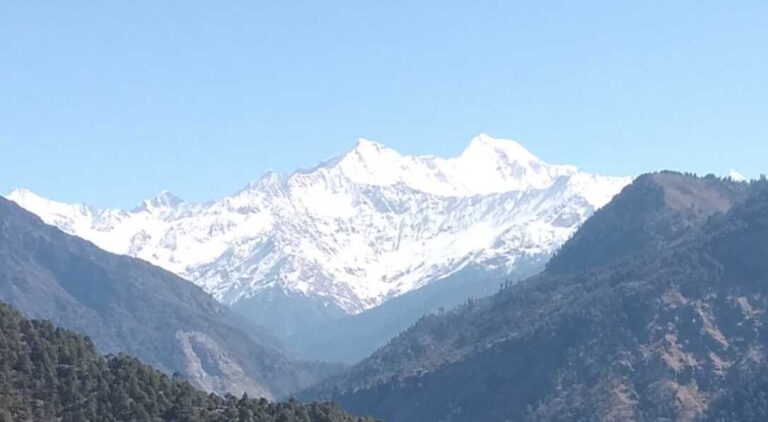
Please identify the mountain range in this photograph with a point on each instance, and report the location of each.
(296, 251)
(648, 308)
(126, 305)
(653, 310)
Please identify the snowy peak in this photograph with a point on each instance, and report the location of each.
(164, 199)
(367, 153)
(163, 203)
(736, 176)
(485, 147)
(22, 194)
(492, 165)
(371, 163)
(488, 165)
(372, 149)
(39, 205)
(270, 181)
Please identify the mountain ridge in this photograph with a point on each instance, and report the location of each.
(128, 305)
(656, 333)
(354, 231)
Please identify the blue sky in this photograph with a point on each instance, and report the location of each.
(109, 102)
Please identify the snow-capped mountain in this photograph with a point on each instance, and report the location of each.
(354, 231)
(737, 177)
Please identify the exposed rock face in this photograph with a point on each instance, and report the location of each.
(212, 368)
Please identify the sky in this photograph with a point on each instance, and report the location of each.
(107, 103)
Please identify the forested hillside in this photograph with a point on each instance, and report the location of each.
(746, 403)
(52, 374)
(653, 311)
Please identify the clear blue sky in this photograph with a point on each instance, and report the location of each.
(109, 102)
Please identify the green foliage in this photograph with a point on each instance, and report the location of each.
(51, 374)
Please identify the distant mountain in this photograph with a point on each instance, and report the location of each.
(51, 374)
(737, 177)
(127, 305)
(353, 337)
(654, 310)
(341, 238)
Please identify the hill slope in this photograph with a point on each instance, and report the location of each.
(748, 402)
(47, 373)
(127, 305)
(655, 330)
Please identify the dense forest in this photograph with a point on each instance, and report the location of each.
(747, 403)
(51, 374)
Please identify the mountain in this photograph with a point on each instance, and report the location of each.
(653, 310)
(51, 374)
(353, 337)
(127, 305)
(341, 238)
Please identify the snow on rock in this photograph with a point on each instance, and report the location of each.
(359, 229)
(736, 176)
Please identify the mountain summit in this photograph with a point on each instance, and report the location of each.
(164, 199)
(488, 165)
(354, 231)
